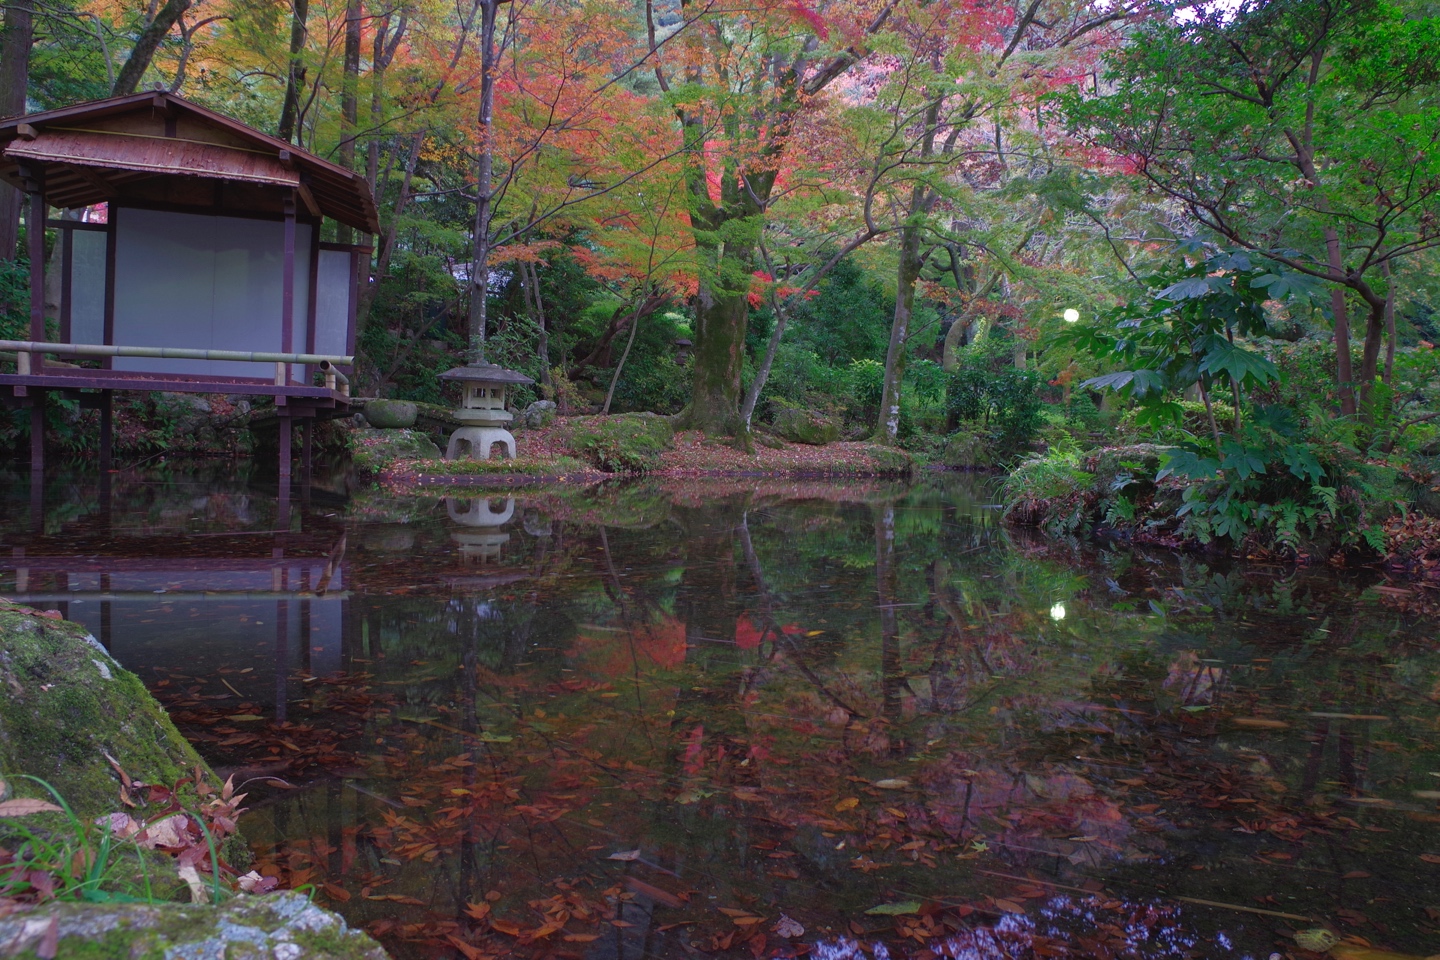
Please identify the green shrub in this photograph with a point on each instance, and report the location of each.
(1005, 404)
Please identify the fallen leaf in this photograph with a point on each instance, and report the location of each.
(849, 803)
(1430, 858)
(24, 807)
(788, 928)
(732, 912)
(477, 911)
(191, 876)
(893, 784)
(653, 892)
(626, 855)
(244, 717)
(747, 921)
(470, 952)
(1259, 723)
(505, 927)
(1009, 906)
(581, 937)
(897, 909)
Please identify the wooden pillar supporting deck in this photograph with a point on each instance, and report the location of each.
(286, 425)
(37, 436)
(107, 429)
(307, 453)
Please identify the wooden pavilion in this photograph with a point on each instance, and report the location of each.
(206, 272)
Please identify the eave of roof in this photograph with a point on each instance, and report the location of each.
(342, 194)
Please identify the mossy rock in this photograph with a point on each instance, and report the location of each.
(67, 706)
(391, 414)
(891, 462)
(969, 450)
(283, 926)
(373, 450)
(627, 443)
(805, 426)
(435, 419)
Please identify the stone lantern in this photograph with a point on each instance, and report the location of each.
(479, 547)
(482, 410)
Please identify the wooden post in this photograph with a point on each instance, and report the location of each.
(35, 240)
(287, 306)
(106, 620)
(37, 437)
(285, 426)
(307, 452)
(107, 428)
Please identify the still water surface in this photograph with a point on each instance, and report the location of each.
(734, 718)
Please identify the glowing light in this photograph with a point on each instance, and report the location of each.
(1057, 612)
(1071, 314)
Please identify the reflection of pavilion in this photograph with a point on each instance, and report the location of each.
(479, 512)
(151, 611)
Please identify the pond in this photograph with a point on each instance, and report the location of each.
(767, 718)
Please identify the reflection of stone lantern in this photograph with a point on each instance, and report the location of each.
(482, 410)
(479, 547)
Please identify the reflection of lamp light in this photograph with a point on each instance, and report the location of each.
(1071, 314)
(1057, 612)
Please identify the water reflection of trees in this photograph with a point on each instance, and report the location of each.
(713, 685)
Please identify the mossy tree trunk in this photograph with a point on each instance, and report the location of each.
(911, 263)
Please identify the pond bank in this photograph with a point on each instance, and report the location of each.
(589, 449)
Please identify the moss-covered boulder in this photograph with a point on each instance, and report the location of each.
(627, 443)
(969, 449)
(68, 709)
(390, 414)
(371, 451)
(805, 426)
(284, 926)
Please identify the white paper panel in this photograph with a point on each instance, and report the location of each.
(87, 287)
(334, 287)
(208, 283)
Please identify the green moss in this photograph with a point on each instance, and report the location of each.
(371, 451)
(628, 443)
(804, 426)
(246, 928)
(67, 705)
(969, 449)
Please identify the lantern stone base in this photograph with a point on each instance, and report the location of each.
(475, 442)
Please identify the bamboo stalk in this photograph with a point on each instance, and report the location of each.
(167, 353)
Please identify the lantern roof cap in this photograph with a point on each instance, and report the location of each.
(485, 373)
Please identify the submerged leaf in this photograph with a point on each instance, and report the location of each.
(24, 807)
(897, 909)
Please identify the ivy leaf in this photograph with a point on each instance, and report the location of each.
(1245, 461)
(1286, 285)
(1187, 289)
(1187, 464)
(1302, 463)
(1237, 363)
(1139, 382)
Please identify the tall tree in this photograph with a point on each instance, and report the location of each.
(738, 82)
(16, 38)
(1303, 129)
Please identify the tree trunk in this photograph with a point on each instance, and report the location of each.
(295, 76)
(484, 184)
(911, 263)
(350, 99)
(1370, 353)
(1389, 322)
(1343, 370)
(15, 40)
(721, 317)
(144, 51)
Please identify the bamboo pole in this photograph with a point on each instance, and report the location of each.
(167, 353)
